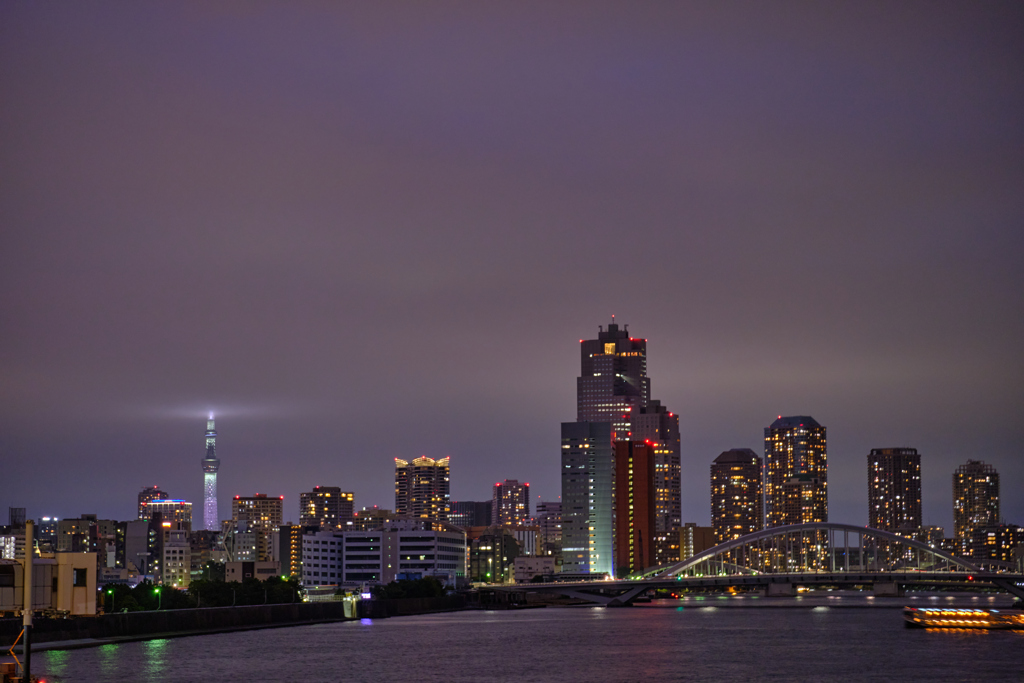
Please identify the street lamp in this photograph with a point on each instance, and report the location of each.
(110, 592)
(160, 598)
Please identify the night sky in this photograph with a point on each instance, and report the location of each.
(361, 231)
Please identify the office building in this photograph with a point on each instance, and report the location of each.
(263, 514)
(422, 488)
(177, 514)
(737, 503)
(796, 478)
(588, 498)
(327, 507)
(403, 551)
(469, 513)
(510, 503)
(211, 465)
(148, 494)
(894, 490)
(635, 499)
(975, 501)
(613, 378)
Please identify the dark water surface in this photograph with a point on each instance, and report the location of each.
(644, 643)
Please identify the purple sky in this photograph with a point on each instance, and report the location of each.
(377, 231)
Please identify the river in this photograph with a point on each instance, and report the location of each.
(661, 641)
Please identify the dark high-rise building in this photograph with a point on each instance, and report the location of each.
(510, 503)
(894, 490)
(150, 493)
(796, 481)
(422, 488)
(469, 513)
(996, 542)
(588, 498)
(657, 424)
(635, 503)
(975, 500)
(613, 378)
(737, 502)
(326, 507)
(211, 465)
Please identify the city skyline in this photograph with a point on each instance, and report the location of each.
(384, 239)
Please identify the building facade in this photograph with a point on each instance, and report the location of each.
(975, 501)
(351, 558)
(613, 378)
(422, 488)
(635, 504)
(737, 501)
(510, 503)
(658, 425)
(796, 476)
(211, 465)
(263, 515)
(894, 490)
(148, 494)
(177, 514)
(588, 498)
(467, 513)
(327, 507)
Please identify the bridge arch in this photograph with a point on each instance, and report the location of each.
(816, 546)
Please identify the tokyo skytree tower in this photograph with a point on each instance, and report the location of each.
(211, 521)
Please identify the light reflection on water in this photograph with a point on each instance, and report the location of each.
(666, 642)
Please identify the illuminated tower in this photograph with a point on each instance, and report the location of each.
(211, 520)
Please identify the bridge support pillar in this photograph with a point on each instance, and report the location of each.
(888, 590)
(781, 590)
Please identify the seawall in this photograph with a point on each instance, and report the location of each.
(75, 632)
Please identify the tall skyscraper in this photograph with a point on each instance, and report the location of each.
(613, 378)
(894, 490)
(975, 501)
(510, 503)
(146, 495)
(613, 387)
(422, 488)
(327, 507)
(588, 497)
(737, 502)
(635, 498)
(796, 482)
(211, 464)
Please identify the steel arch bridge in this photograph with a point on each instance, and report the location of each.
(815, 547)
(779, 559)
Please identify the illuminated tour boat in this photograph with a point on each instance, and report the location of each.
(937, 617)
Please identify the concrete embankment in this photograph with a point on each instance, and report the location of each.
(75, 632)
